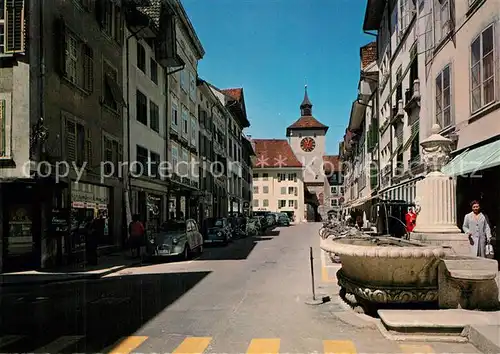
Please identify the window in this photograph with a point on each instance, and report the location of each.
(291, 190)
(266, 203)
(141, 107)
(184, 159)
(153, 66)
(154, 116)
(192, 86)
(255, 175)
(255, 190)
(443, 98)
(108, 153)
(256, 203)
(175, 156)
(265, 189)
(333, 190)
(333, 202)
(194, 131)
(442, 18)
(265, 176)
(141, 57)
(281, 177)
(283, 190)
(291, 203)
(78, 143)
(78, 62)
(281, 204)
(184, 114)
(113, 95)
(142, 160)
(184, 80)
(292, 177)
(154, 163)
(175, 113)
(110, 19)
(483, 69)
(12, 26)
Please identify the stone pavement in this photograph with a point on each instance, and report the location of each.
(247, 297)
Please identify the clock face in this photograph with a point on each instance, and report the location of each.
(307, 144)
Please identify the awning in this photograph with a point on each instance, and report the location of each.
(476, 159)
(357, 115)
(361, 201)
(406, 191)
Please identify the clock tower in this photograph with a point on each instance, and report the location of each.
(307, 137)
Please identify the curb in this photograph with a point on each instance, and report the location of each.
(481, 341)
(66, 278)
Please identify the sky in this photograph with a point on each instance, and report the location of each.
(272, 48)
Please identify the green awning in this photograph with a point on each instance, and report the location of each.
(473, 160)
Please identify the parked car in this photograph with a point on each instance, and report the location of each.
(263, 224)
(283, 220)
(253, 227)
(176, 238)
(219, 233)
(222, 226)
(271, 219)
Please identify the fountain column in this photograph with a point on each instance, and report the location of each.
(436, 197)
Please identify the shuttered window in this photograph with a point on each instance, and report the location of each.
(78, 143)
(13, 26)
(3, 132)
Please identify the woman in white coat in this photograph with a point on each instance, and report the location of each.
(477, 229)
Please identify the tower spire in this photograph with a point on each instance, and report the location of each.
(306, 105)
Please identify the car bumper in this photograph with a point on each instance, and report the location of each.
(214, 240)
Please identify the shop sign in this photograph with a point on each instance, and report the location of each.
(262, 209)
(78, 205)
(102, 206)
(59, 221)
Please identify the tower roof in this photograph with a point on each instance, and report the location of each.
(306, 120)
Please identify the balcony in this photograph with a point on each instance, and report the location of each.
(412, 97)
(398, 113)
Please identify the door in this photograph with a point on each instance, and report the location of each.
(189, 234)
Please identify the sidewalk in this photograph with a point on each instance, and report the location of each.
(107, 264)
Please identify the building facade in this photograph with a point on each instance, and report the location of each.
(247, 161)
(334, 199)
(67, 99)
(278, 184)
(145, 121)
(183, 129)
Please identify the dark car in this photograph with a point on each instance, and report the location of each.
(219, 232)
(283, 220)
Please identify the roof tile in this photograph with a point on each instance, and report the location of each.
(307, 122)
(235, 93)
(274, 153)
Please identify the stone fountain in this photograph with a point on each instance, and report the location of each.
(385, 270)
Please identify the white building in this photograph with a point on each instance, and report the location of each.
(278, 182)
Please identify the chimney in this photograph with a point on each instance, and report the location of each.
(368, 54)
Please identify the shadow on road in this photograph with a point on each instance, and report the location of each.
(101, 312)
(238, 250)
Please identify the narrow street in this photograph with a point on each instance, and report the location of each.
(247, 297)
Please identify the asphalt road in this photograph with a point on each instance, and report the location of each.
(247, 297)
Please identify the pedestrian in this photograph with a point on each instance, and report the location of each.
(411, 220)
(136, 238)
(478, 231)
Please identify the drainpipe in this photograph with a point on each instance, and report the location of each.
(390, 98)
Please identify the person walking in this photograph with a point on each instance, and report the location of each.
(477, 229)
(136, 238)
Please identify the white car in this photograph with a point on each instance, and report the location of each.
(177, 238)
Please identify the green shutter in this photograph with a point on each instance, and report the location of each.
(14, 26)
(3, 134)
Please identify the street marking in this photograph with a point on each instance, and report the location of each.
(416, 349)
(264, 346)
(193, 345)
(128, 344)
(57, 346)
(6, 340)
(338, 347)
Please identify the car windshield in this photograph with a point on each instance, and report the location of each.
(174, 227)
(219, 223)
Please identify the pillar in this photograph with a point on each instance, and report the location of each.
(436, 193)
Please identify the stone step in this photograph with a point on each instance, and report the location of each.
(486, 338)
(440, 325)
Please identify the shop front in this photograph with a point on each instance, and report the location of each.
(89, 201)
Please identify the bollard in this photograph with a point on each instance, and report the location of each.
(312, 272)
(314, 300)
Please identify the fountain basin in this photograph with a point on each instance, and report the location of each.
(386, 270)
